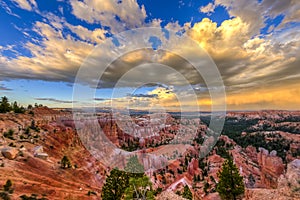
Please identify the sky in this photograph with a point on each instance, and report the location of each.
(49, 49)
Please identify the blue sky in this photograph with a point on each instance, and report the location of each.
(254, 45)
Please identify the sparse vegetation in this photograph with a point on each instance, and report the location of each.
(7, 190)
(9, 134)
(91, 193)
(32, 197)
(65, 163)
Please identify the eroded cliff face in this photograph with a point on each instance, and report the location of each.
(32, 174)
(288, 186)
(289, 183)
(271, 167)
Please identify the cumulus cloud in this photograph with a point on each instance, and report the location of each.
(209, 8)
(55, 58)
(255, 13)
(118, 15)
(245, 59)
(95, 36)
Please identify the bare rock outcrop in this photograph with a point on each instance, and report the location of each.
(288, 186)
(9, 152)
(271, 167)
(289, 183)
(193, 166)
(169, 195)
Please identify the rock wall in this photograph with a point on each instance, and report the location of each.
(271, 167)
(288, 186)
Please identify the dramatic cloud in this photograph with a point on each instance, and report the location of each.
(55, 58)
(247, 59)
(246, 62)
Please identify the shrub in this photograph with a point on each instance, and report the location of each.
(65, 162)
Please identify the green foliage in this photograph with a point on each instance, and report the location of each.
(91, 193)
(115, 185)
(139, 188)
(34, 127)
(230, 184)
(65, 163)
(134, 166)
(157, 191)
(187, 193)
(233, 127)
(206, 187)
(199, 139)
(17, 109)
(117, 182)
(7, 190)
(259, 140)
(4, 105)
(9, 134)
(131, 145)
(4, 196)
(221, 149)
(7, 187)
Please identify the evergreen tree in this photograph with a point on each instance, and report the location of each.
(230, 184)
(134, 167)
(4, 105)
(115, 185)
(17, 109)
(187, 193)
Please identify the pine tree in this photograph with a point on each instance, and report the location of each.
(187, 193)
(115, 185)
(230, 184)
(4, 105)
(134, 167)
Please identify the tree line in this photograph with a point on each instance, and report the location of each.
(6, 106)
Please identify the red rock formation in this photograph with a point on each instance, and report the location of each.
(271, 168)
(193, 166)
